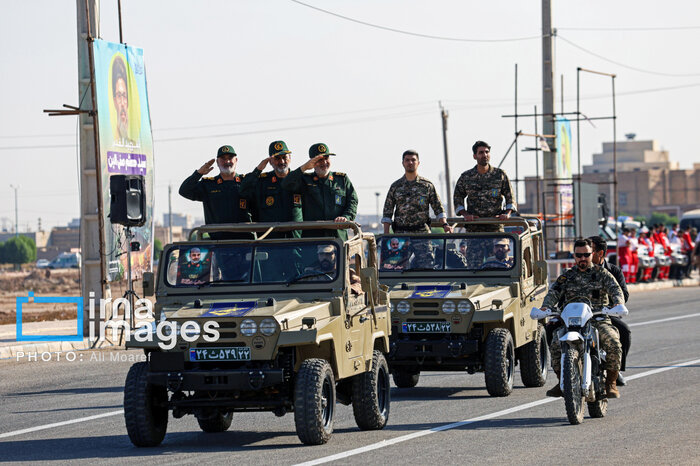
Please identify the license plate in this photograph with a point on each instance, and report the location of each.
(426, 327)
(241, 353)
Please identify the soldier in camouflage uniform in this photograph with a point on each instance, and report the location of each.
(408, 201)
(271, 203)
(485, 187)
(220, 195)
(598, 285)
(326, 195)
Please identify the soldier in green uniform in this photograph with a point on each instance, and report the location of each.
(601, 288)
(485, 187)
(325, 195)
(195, 270)
(408, 201)
(271, 203)
(220, 195)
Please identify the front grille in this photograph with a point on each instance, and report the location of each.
(424, 305)
(220, 344)
(426, 320)
(426, 313)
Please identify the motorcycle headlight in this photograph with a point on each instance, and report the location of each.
(573, 322)
(248, 327)
(268, 327)
(448, 307)
(464, 307)
(403, 307)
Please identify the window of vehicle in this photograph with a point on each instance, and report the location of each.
(404, 253)
(215, 265)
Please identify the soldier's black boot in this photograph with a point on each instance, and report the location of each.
(555, 391)
(621, 380)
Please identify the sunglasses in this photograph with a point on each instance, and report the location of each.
(582, 254)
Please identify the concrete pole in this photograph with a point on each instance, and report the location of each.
(170, 214)
(92, 265)
(444, 115)
(548, 158)
(16, 211)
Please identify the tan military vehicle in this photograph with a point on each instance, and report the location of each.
(461, 301)
(281, 325)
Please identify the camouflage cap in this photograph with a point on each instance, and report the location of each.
(226, 150)
(278, 148)
(319, 149)
(326, 248)
(504, 241)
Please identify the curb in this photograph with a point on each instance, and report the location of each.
(686, 282)
(10, 352)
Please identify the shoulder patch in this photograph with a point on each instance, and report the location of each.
(561, 279)
(263, 175)
(208, 178)
(339, 173)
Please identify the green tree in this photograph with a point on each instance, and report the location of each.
(18, 250)
(660, 217)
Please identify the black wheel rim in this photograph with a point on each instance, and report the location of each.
(327, 403)
(382, 390)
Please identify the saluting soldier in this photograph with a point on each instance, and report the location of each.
(408, 201)
(485, 188)
(220, 195)
(326, 195)
(271, 203)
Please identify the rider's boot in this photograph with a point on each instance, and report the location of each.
(555, 391)
(621, 380)
(611, 385)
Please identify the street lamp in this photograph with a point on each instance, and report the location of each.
(16, 211)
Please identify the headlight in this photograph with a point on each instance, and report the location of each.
(448, 307)
(573, 322)
(464, 307)
(248, 327)
(403, 307)
(268, 327)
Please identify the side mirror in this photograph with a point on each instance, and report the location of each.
(540, 272)
(148, 284)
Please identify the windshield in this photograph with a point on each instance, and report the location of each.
(215, 265)
(403, 253)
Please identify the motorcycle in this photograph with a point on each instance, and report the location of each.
(582, 375)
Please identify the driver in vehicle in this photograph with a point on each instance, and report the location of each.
(326, 265)
(501, 248)
(599, 286)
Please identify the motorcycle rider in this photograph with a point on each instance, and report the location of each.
(600, 287)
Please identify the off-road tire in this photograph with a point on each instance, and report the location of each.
(314, 401)
(371, 395)
(145, 408)
(534, 360)
(220, 422)
(573, 394)
(405, 379)
(499, 362)
(598, 408)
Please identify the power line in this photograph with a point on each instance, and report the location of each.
(411, 33)
(633, 68)
(661, 28)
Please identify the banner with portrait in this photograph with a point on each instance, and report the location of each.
(126, 147)
(562, 129)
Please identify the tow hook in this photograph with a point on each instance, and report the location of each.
(256, 379)
(174, 381)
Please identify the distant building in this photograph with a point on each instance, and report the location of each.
(647, 180)
(161, 233)
(179, 220)
(75, 223)
(64, 238)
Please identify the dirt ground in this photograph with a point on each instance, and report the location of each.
(44, 283)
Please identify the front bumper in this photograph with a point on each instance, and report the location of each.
(432, 349)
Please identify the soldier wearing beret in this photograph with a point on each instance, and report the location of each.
(219, 195)
(271, 203)
(326, 195)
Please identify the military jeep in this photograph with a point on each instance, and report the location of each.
(461, 301)
(268, 324)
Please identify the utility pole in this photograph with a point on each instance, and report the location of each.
(378, 217)
(16, 211)
(548, 158)
(443, 116)
(170, 214)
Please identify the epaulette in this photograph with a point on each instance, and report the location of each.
(339, 173)
(262, 175)
(208, 178)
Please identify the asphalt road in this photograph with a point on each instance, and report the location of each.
(448, 417)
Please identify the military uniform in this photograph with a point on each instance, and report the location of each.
(221, 199)
(323, 198)
(271, 203)
(194, 272)
(598, 285)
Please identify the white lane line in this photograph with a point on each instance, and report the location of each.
(63, 423)
(454, 425)
(668, 319)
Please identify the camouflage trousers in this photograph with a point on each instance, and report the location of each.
(609, 341)
(478, 251)
(424, 255)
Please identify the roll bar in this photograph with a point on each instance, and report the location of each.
(269, 227)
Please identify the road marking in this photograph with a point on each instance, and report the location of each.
(63, 423)
(454, 425)
(648, 322)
